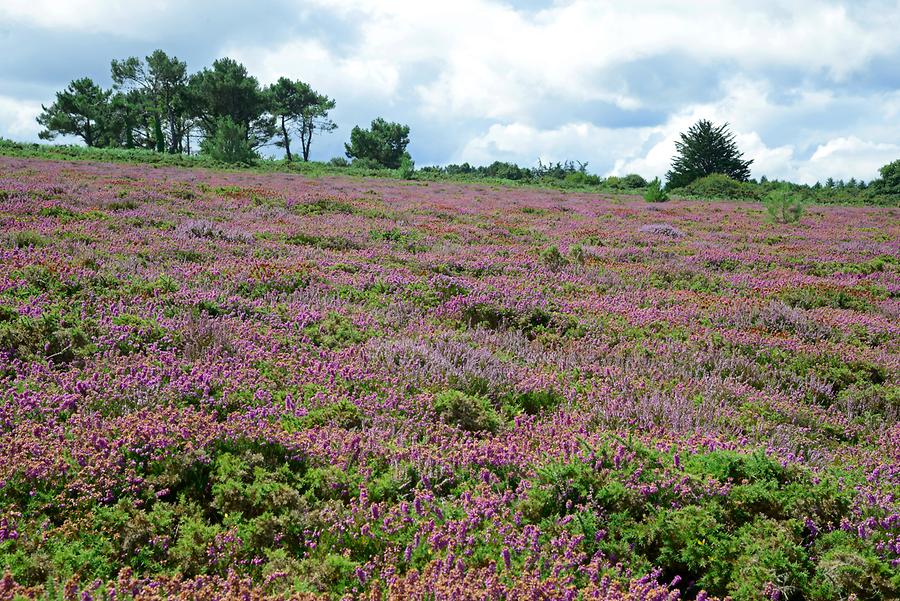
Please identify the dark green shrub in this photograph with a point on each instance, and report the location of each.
(341, 414)
(769, 559)
(813, 297)
(334, 331)
(324, 242)
(55, 335)
(407, 169)
(655, 192)
(720, 186)
(466, 412)
(783, 206)
(26, 239)
(846, 566)
(553, 259)
(577, 179)
(577, 254)
(533, 401)
(229, 143)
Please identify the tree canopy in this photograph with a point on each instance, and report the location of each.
(890, 179)
(383, 144)
(227, 90)
(82, 110)
(298, 107)
(706, 149)
(157, 91)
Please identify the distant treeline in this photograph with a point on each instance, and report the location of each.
(573, 173)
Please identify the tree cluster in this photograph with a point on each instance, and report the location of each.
(156, 104)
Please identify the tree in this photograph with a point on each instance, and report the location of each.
(297, 106)
(229, 143)
(704, 150)
(889, 183)
(385, 143)
(81, 110)
(159, 85)
(227, 90)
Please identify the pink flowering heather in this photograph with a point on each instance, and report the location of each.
(243, 386)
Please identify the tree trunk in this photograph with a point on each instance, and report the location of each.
(306, 140)
(158, 134)
(175, 141)
(287, 140)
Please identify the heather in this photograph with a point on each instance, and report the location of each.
(269, 386)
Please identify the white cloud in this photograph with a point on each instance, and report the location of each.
(355, 76)
(105, 16)
(525, 144)
(17, 118)
(497, 62)
(843, 158)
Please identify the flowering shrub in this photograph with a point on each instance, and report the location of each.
(244, 386)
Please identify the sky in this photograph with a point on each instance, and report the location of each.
(811, 88)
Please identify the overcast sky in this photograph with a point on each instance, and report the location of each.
(811, 88)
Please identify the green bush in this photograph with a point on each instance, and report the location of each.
(26, 239)
(632, 181)
(342, 414)
(577, 179)
(813, 297)
(229, 143)
(466, 412)
(334, 331)
(553, 259)
(533, 401)
(577, 254)
(718, 186)
(655, 192)
(57, 335)
(407, 168)
(783, 206)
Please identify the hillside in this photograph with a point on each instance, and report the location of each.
(267, 385)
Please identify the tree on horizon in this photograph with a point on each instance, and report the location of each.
(704, 150)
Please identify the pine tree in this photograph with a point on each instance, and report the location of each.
(704, 150)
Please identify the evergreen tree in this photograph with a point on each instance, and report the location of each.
(228, 91)
(704, 150)
(81, 110)
(297, 106)
(384, 144)
(158, 86)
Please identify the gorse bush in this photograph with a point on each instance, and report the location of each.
(783, 206)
